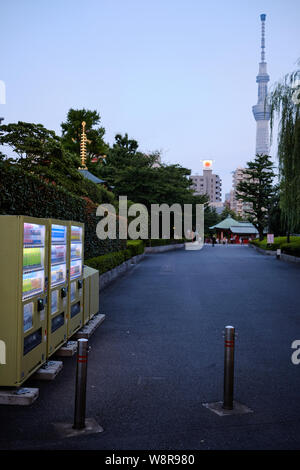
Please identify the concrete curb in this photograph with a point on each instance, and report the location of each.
(161, 249)
(283, 256)
(263, 252)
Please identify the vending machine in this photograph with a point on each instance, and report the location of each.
(90, 293)
(23, 309)
(86, 294)
(75, 277)
(58, 284)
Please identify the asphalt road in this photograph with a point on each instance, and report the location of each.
(159, 356)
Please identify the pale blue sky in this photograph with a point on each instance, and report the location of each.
(178, 76)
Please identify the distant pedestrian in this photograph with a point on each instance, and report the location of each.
(213, 241)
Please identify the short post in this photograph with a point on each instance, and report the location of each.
(228, 367)
(278, 253)
(81, 376)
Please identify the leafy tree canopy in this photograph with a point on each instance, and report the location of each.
(72, 129)
(256, 189)
(285, 104)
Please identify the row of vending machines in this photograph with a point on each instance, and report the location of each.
(41, 291)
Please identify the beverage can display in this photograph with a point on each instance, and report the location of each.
(32, 257)
(58, 274)
(76, 233)
(75, 270)
(58, 234)
(34, 234)
(76, 250)
(58, 254)
(33, 283)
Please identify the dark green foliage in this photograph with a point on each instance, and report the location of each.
(292, 248)
(41, 152)
(24, 194)
(72, 129)
(284, 104)
(229, 212)
(257, 190)
(109, 261)
(136, 247)
(133, 175)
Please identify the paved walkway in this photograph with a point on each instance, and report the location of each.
(159, 356)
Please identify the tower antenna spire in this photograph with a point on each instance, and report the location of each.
(263, 54)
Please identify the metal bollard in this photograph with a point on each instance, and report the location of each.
(228, 367)
(80, 392)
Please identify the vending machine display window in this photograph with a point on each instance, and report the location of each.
(73, 291)
(54, 302)
(76, 249)
(58, 234)
(58, 254)
(33, 283)
(34, 235)
(58, 274)
(33, 258)
(75, 270)
(76, 234)
(28, 316)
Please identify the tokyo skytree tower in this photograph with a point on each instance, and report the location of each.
(261, 110)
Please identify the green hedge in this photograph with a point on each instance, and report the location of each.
(164, 241)
(292, 248)
(22, 193)
(278, 243)
(109, 261)
(136, 247)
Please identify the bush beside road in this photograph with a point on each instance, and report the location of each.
(292, 248)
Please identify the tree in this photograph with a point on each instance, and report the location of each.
(72, 129)
(40, 151)
(33, 144)
(285, 104)
(275, 222)
(256, 189)
(229, 212)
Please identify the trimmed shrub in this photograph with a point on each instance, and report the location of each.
(278, 243)
(136, 247)
(109, 261)
(292, 248)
